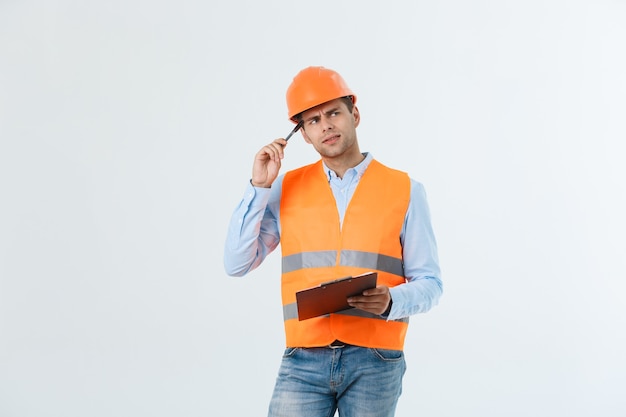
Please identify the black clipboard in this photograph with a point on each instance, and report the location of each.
(331, 297)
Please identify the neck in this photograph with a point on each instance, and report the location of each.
(342, 164)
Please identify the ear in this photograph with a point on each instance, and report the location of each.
(356, 115)
(305, 136)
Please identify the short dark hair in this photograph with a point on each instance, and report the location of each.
(348, 101)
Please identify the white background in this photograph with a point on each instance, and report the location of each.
(127, 132)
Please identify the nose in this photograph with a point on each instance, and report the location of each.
(326, 123)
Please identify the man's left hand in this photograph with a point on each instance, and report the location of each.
(375, 301)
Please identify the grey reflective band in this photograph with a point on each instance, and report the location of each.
(360, 313)
(309, 260)
(290, 312)
(371, 260)
(367, 260)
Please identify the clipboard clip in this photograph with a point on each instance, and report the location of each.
(348, 278)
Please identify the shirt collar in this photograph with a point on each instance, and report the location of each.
(359, 169)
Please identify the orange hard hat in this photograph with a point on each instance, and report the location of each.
(313, 86)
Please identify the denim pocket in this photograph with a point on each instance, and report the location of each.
(290, 351)
(388, 354)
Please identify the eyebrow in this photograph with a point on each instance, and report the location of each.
(325, 112)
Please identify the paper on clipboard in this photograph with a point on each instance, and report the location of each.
(331, 297)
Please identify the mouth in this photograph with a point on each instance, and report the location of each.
(330, 140)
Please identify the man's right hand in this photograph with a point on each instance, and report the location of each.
(267, 163)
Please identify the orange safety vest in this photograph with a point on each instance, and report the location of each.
(316, 249)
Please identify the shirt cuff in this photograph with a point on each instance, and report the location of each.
(256, 196)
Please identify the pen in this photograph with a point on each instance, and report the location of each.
(295, 129)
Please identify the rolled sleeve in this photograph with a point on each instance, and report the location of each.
(423, 286)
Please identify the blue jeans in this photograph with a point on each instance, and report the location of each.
(357, 381)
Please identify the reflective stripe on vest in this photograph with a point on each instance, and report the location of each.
(360, 259)
(317, 249)
(290, 312)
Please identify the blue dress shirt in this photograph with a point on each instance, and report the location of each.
(254, 232)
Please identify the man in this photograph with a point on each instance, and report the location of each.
(344, 215)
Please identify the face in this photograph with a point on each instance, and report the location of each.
(331, 129)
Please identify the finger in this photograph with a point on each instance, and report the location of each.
(373, 298)
(376, 291)
(269, 152)
(280, 145)
(364, 300)
(367, 300)
(275, 149)
(375, 308)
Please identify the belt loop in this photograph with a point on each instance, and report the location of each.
(337, 344)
